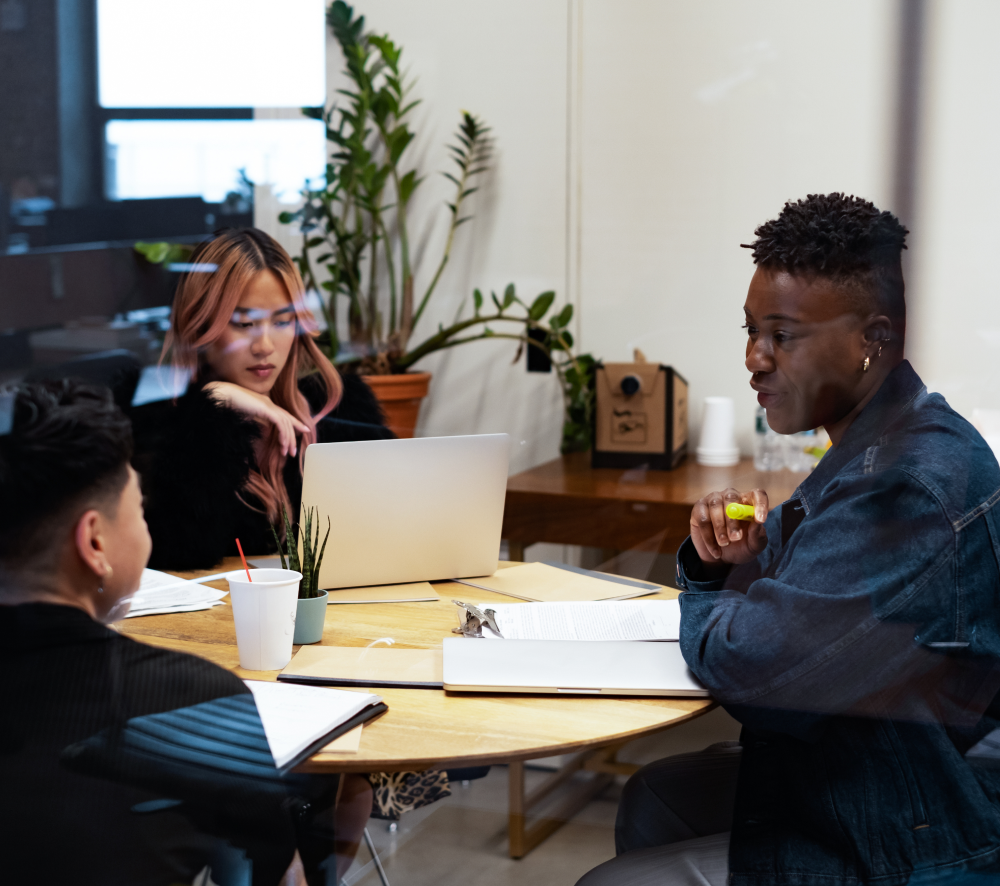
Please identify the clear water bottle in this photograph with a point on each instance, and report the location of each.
(768, 447)
(797, 458)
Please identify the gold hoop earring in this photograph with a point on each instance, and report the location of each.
(866, 365)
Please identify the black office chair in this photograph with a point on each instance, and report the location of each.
(117, 370)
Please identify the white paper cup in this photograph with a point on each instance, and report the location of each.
(717, 446)
(264, 612)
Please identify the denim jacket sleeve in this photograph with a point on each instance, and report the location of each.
(827, 619)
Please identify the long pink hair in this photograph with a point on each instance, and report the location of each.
(203, 307)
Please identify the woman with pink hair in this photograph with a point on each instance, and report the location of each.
(221, 461)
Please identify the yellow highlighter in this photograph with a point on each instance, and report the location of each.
(739, 512)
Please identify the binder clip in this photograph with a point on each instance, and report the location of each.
(471, 620)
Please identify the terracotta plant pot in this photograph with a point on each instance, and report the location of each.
(399, 397)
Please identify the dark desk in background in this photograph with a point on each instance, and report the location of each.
(565, 501)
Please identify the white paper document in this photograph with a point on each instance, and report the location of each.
(295, 717)
(160, 593)
(603, 620)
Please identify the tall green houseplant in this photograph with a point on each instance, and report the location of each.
(356, 226)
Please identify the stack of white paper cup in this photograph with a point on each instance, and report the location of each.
(264, 612)
(717, 446)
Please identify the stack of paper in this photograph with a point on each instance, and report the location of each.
(160, 593)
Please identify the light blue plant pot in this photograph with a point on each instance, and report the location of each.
(310, 613)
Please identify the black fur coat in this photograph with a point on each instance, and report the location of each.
(194, 456)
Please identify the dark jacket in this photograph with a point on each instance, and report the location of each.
(194, 456)
(860, 651)
(122, 763)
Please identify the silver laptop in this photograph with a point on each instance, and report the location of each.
(408, 510)
(568, 667)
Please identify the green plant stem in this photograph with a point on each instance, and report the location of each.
(406, 308)
(390, 264)
(524, 339)
(436, 341)
(373, 332)
(447, 246)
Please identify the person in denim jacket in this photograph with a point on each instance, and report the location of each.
(853, 630)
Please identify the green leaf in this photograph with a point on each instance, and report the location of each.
(277, 544)
(477, 300)
(155, 253)
(407, 185)
(509, 296)
(291, 542)
(540, 305)
(307, 550)
(565, 315)
(496, 301)
(319, 558)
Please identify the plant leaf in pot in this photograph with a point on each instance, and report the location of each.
(311, 609)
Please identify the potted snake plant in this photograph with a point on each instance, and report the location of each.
(310, 612)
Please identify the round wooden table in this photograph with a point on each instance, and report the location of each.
(428, 728)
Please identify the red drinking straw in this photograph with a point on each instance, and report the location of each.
(244, 559)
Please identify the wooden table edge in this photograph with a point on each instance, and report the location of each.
(419, 765)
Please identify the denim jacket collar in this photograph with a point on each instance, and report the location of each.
(897, 394)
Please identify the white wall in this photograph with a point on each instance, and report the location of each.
(699, 121)
(954, 302)
(505, 62)
(638, 143)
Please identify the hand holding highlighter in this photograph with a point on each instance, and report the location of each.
(727, 527)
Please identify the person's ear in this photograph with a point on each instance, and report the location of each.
(878, 333)
(90, 545)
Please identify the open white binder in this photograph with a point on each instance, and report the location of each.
(568, 667)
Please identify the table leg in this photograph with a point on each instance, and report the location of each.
(515, 810)
(521, 838)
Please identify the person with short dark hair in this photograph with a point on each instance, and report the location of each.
(87, 799)
(853, 629)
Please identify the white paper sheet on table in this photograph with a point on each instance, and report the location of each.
(161, 593)
(602, 620)
(194, 607)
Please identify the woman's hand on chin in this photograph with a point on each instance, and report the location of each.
(262, 408)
